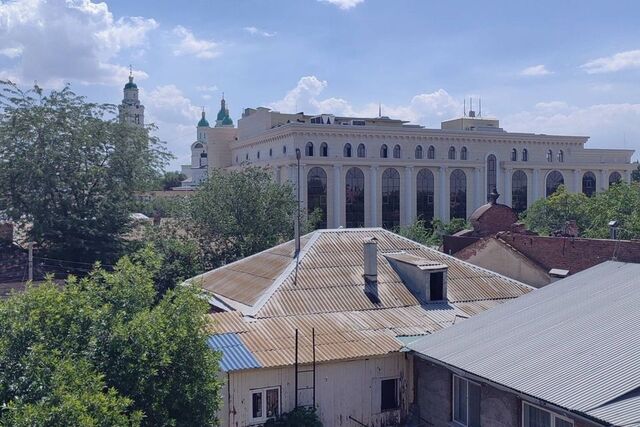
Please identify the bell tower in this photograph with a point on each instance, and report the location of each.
(130, 110)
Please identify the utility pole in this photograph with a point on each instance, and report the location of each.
(297, 221)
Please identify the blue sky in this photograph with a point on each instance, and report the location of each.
(568, 67)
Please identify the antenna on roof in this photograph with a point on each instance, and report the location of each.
(464, 108)
(480, 107)
(379, 109)
(297, 220)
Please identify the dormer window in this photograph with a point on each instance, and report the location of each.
(317, 120)
(358, 122)
(425, 279)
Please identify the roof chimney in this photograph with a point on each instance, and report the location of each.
(371, 268)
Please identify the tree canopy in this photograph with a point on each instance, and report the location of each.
(621, 202)
(69, 169)
(102, 351)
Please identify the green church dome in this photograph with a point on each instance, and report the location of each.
(131, 84)
(227, 120)
(203, 122)
(221, 114)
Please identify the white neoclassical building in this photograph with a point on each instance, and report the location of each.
(385, 172)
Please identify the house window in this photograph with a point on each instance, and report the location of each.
(308, 149)
(419, 152)
(549, 156)
(389, 395)
(514, 155)
(361, 150)
(284, 149)
(533, 416)
(384, 151)
(317, 120)
(525, 155)
(431, 152)
(324, 150)
(270, 152)
(396, 152)
(265, 404)
(560, 156)
(466, 402)
(452, 153)
(358, 122)
(346, 151)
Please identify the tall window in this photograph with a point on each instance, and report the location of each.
(284, 149)
(354, 198)
(390, 198)
(346, 152)
(308, 150)
(519, 191)
(424, 195)
(463, 153)
(452, 153)
(431, 152)
(615, 178)
(534, 416)
(384, 151)
(549, 156)
(458, 194)
(554, 180)
(492, 174)
(362, 152)
(324, 150)
(317, 194)
(589, 184)
(396, 152)
(389, 395)
(514, 155)
(560, 156)
(525, 155)
(419, 152)
(466, 402)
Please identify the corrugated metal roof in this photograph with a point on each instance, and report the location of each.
(235, 355)
(327, 293)
(574, 343)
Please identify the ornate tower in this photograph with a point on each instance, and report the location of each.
(223, 119)
(130, 110)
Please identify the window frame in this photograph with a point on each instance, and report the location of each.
(263, 391)
(553, 414)
(453, 399)
(397, 394)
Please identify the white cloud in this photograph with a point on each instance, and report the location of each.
(619, 61)
(255, 31)
(188, 44)
(536, 70)
(422, 108)
(56, 41)
(176, 117)
(608, 125)
(344, 4)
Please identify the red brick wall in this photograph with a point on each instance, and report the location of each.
(573, 254)
(496, 218)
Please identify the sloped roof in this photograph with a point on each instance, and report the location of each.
(574, 343)
(268, 297)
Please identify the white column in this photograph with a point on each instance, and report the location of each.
(536, 185)
(477, 183)
(409, 212)
(337, 196)
(498, 176)
(443, 194)
(604, 179)
(577, 182)
(507, 187)
(373, 170)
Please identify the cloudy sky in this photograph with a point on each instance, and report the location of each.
(568, 67)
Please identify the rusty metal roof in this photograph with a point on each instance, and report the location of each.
(326, 292)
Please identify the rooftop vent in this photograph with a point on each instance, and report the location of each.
(426, 279)
(371, 269)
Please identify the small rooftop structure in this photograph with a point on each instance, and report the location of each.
(572, 345)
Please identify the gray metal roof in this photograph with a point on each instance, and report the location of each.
(574, 343)
(235, 355)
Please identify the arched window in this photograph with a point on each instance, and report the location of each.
(236, 158)
(346, 151)
(258, 156)
(519, 191)
(589, 183)
(424, 195)
(452, 153)
(419, 152)
(431, 152)
(324, 150)
(514, 155)
(525, 155)
(549, 156)
(396, 152)
(270, 152)
(554, 180)
(390, 198)
(354, 198)
(308, 150)
(198, 145)
(560, 156)
(362, 152)
(246, 156)
(284, 149)
(458, 194)
(463, 153)
(384, 151)
(615, 178)
(317, 194)
(492, 174)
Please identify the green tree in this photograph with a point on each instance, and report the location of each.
(239, 213)
(170, 179)
(431, 235)
(547, 215)
(69, 169)
(635, 174)
(102, 351)
(621, 202)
